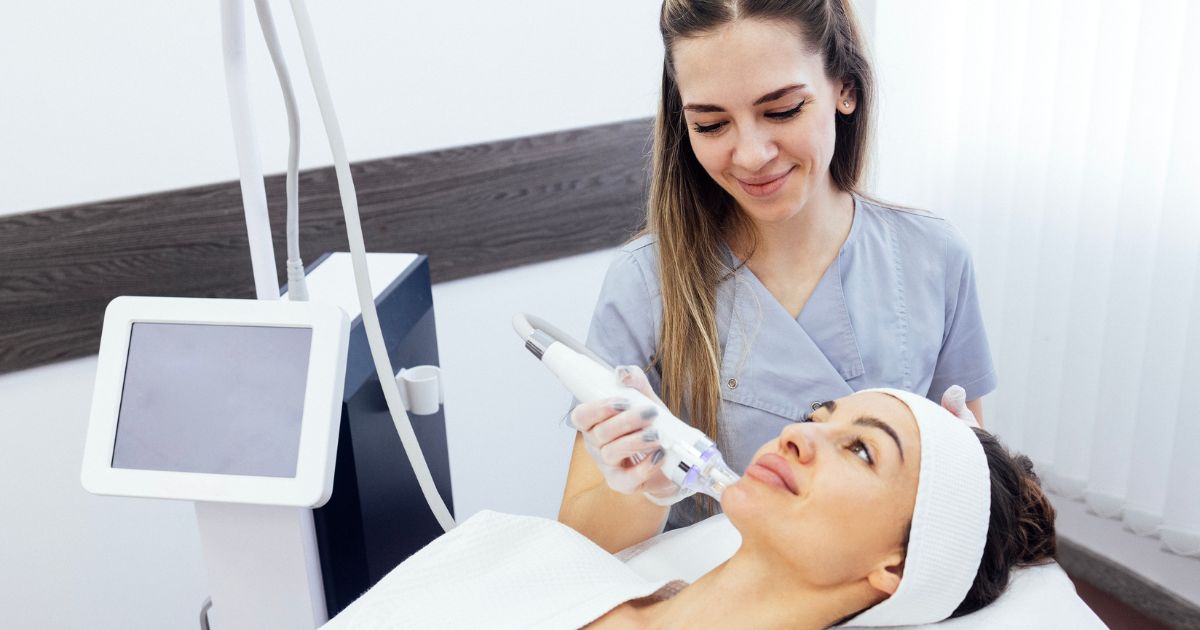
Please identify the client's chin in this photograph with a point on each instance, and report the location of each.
(749, 498)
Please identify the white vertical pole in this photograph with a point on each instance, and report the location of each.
(262, 562)
(254, 193)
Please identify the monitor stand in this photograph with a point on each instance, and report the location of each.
(262, 564)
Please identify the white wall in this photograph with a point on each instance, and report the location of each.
(106, 100)
(69, 559)
(110, 99)
(508, 446)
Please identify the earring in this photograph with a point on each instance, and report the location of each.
(846, 103)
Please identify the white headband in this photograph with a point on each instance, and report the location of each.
(949, 521)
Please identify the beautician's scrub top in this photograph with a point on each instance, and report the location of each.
(897, 308)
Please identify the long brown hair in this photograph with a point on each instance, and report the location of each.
(691, 215)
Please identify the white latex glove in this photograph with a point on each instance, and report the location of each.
(955, 401)
(622, 443)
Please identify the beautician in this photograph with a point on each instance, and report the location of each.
(765, 281)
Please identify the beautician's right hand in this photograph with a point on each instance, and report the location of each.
(621, 441)
(954, 400)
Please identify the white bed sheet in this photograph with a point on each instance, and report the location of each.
(504, 571)
(1037, 597)
(499, 572)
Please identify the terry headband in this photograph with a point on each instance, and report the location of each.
(949, 521)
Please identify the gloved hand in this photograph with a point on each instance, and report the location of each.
(623, 444)
(955, 401)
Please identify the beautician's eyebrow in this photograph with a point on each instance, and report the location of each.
(867, 421)
(765, 98)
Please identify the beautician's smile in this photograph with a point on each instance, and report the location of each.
(774, 470)
(764, 186)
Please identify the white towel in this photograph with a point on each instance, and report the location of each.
(499, 571)
(686, 553)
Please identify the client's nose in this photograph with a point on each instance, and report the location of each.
(796, 440)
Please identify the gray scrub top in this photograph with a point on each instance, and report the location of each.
(897, 308)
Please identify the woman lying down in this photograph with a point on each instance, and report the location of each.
(884, 510)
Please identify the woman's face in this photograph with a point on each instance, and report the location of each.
(831, 500)
(760, 115)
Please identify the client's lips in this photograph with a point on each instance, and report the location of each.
(773, 469)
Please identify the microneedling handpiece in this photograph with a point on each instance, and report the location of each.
(690, 458)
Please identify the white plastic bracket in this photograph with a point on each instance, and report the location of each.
(421, 389)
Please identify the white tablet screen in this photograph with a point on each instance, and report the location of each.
(218, 399)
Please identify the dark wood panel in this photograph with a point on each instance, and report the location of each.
(471, 209)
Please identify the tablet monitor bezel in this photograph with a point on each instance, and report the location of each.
(313, 482)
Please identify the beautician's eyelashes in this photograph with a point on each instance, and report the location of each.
(776, 116)
(784, 115)
(708, 128)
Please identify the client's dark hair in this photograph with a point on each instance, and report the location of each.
(1020, 528)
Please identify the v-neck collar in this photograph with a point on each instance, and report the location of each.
(823, 325)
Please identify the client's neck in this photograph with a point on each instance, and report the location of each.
(753, 591)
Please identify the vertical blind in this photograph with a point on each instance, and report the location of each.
(1062, 138)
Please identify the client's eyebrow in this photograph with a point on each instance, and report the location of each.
(867, 421)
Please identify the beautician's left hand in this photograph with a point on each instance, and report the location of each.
(955, 401)
(659, 489)
(621, 441)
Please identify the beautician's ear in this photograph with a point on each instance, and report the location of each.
(847, 100)
(886, 577)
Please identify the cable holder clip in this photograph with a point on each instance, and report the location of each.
(421, 389)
